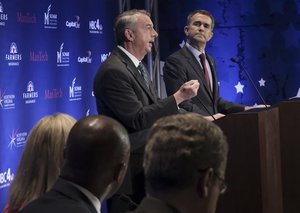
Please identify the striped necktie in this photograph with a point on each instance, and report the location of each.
(144, 73)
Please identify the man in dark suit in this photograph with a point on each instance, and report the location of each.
(187, 64)
(122, 89)
(96, 159)
(184, 163)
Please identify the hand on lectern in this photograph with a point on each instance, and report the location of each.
(256, 106)
(214, 117)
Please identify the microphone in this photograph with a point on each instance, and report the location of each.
(253, 84)
(211, 115)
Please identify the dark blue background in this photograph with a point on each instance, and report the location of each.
(263, 35)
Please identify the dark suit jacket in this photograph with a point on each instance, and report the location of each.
(62, 198)
(153, 205)
(122, 94)
(181, 67)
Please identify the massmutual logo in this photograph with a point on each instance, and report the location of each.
(50, 19)
(74, 24)
(104, 56)
(17, 139)
(30, 95)
(7, 101)
(3, 16)
(13, 57)
(63, 58)
(53, 93)
(85, 59)
(6, 177)
(95, 27)
(26, 18)
(38, 56)
(75, 91)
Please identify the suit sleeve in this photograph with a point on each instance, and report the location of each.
(129, 103)
(175, 74)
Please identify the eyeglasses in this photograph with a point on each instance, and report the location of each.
(222, 182)
(223, 185)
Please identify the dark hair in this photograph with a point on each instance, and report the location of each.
(178, 146)
(124, 21)
(95, 143)
(41, 160)
(203, 12)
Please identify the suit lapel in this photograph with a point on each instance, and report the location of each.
(72, 192)
(138, 77)
(197, 69)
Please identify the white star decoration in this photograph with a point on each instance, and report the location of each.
(298, 94)
(239, 88)
(262, 82)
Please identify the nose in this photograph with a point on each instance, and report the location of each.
(154, 33)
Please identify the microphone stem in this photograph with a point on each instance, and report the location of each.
(253, 85)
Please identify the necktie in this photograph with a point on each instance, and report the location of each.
(144, 73)
(203, 63)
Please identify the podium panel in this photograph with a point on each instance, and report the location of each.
(289, 122)
(253, 169)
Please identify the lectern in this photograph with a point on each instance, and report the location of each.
(289, 123)
(254, 168)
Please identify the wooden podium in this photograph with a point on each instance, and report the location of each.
(253, 169)
(289, 123)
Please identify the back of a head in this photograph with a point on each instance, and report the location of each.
(95, 144)
(41, 160)
(178, 147)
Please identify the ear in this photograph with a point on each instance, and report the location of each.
(186, 29)
(204, 183)
(129, 34)
(119, 172)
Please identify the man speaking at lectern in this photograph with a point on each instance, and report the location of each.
(124, 91)
(122, 86)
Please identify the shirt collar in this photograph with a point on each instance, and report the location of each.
(132, 57)
(195, 52)
(94, 200)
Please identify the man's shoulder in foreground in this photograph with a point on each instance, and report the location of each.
(63, 197)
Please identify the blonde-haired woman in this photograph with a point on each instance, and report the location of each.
(40, 162)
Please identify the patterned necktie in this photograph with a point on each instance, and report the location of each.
(144, 73)
(203, 63)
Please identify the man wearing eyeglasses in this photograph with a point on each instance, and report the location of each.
(184, 164)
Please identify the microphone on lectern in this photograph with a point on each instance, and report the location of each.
(249, 77)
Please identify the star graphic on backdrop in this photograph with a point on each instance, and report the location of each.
(261, 82)
(291, 35)
(298, 94)
(239, 87)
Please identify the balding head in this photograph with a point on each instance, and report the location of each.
(96, 148)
